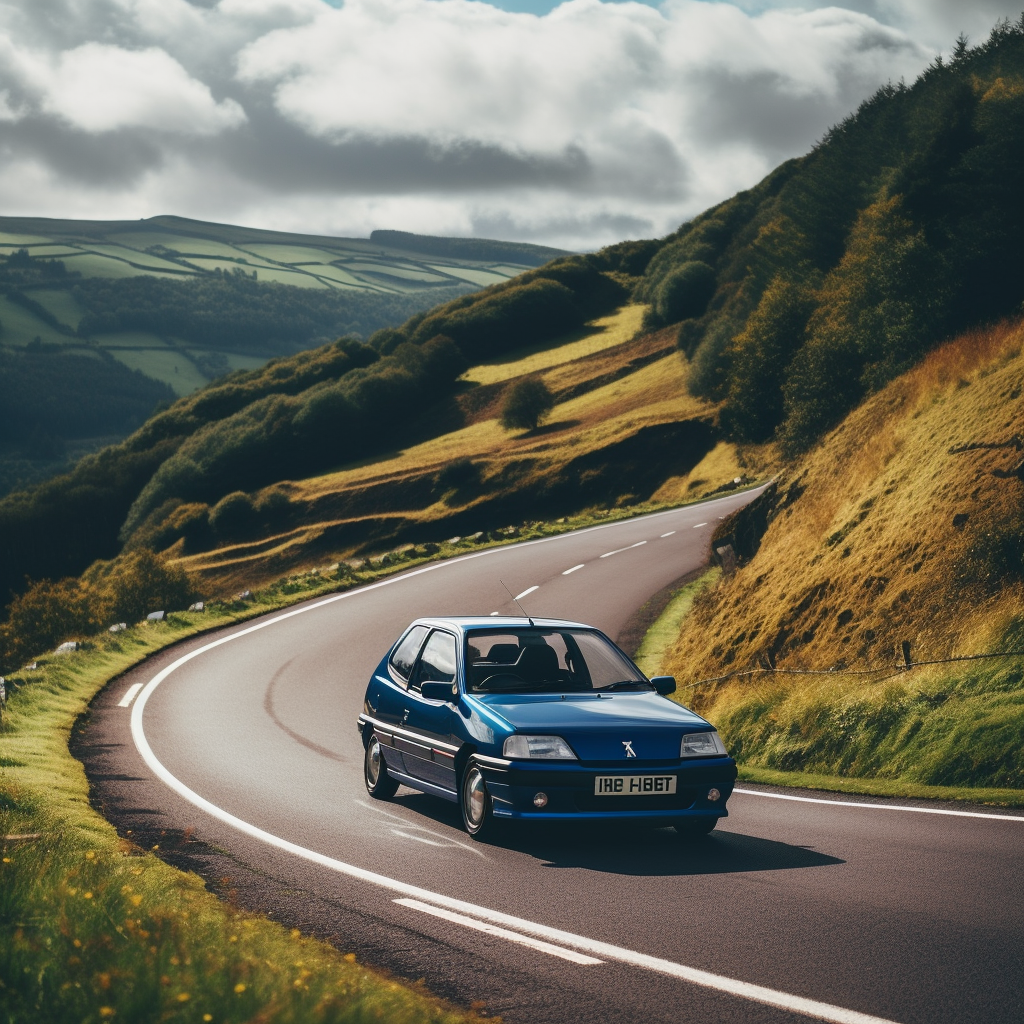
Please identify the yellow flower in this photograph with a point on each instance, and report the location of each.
(7, 860)
(183, 997)
(90, 854)
(233, 938)
(136, 900)
(239, 988)
(296, 933)
(77, 943)
(87, 896)
(107, 1011)
(207, 1017)
(350, 957)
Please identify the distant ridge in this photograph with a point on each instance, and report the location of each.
(487, 250)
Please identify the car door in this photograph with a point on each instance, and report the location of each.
(427, 745)
(392, 694)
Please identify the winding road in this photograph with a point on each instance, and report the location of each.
(237, 754)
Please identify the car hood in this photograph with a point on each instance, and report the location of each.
(598, 728)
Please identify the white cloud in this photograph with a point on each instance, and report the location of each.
(594, 121)
(101, 88)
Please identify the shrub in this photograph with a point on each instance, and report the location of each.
(685, 292)
(526, 403)
(130, 587)
(233, 516)
(44, 616)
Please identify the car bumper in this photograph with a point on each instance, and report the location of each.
(570, 791)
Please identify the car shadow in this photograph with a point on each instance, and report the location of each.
(613, 848)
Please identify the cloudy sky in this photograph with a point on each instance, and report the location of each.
(571, 124)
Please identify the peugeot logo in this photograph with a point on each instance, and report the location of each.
(628, 744)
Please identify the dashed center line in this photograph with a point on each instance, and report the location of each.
(699, 525)
(528, 590)
(129, 695)
(573, 569)
(500, 933)
(669, 534)
(608, 554)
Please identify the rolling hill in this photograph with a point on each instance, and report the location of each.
(116, 317)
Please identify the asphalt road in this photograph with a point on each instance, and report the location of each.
(241, 760)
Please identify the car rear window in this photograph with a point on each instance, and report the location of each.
(405, 653)
(547, 661)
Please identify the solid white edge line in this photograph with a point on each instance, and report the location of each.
(574, 568)
(881, 807)
(129, 695)
(501, 933)
(526, 592)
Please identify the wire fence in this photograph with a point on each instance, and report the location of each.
(892, 671)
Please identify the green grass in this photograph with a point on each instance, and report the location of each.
(474, 276)
(93, 928)
(665, 630)
(294, 253)
(173, 368)
(60, 303)
(20, 326)
(130, 339)
(92, 264)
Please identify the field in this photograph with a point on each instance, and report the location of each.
(174, 248)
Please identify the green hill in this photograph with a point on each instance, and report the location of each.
(147, 311)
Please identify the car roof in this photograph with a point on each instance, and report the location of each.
(464, 623)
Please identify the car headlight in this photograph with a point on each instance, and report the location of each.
(701, 744)
(553, 747)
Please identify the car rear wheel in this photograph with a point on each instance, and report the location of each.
(379, 783)
(475, 801)
(697, 827)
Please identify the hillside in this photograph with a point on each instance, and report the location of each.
(904, 526)
(119, 316)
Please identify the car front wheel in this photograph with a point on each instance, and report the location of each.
(379, 783)
(475, 801)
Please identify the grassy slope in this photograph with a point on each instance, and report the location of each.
(884, 534)
(377, 503)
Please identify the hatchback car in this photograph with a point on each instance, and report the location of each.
(538, 720)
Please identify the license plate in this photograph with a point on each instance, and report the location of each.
(634, 785)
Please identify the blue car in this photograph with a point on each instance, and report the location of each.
(538, 720)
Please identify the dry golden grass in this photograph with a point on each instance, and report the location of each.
(867, 555)
(621, 326)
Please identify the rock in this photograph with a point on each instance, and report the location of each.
(117, 627)
(32, 666)
(68, 646)
(245, 595)
(475, 536)
(727, 559)
(197, 607)
(960, 520)
(3, 692)
(453, 540)
(157, 617)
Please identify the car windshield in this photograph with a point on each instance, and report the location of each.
(542, 660)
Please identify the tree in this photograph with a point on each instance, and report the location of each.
(526, 403)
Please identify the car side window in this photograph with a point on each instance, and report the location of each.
(437, 662)
(404, 657)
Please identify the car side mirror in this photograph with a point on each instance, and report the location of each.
(433, 690)
(664, 684)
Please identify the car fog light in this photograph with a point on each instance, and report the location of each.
(540, 800)
(714, 795)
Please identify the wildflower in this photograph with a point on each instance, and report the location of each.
(207, 1017)
(183, 997)
(239, 988)
(350, 957)
(107, 1011)
(295, 933)
(86, 895)
(233, 938)
(136, 900)
(77, 943)
(90, 854)
(7, 860)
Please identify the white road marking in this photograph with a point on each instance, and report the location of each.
(501, 933)
(699, 525)
(528, 590)
(669, 534)
(574, 568)
(741, 989)
(129, 695)
(638, 544)
(495, 613)
(419, 839)
(404, 823)
(881, 807)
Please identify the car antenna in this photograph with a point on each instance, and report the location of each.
(517, 604)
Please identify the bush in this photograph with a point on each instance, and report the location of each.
(233, 516)
(132, 586)
(685, 292)
(45, 615)
(526, 403)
